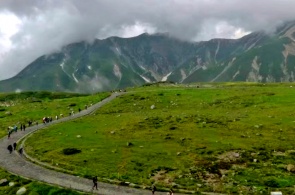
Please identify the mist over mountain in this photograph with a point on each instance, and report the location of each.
(116, 63)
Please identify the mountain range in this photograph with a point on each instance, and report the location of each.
(117, 63)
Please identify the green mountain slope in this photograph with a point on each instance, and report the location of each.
(116, 63)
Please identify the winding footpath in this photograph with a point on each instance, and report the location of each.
(18, 165)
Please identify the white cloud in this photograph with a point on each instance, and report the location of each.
(31, 28)
(137, 29)
(9, 26)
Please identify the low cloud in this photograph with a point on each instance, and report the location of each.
(42, 27)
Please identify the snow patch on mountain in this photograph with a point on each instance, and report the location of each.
(146, 79)
(166, 77)
(254, 75)
(62, 64)
(75, 79)
(224, 70)
(143, 68)
(183, 75)
(117, 71)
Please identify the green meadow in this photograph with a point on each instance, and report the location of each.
(225, 137)
(17, 108)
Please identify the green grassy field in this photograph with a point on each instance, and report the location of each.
(33, 187)
(226, 137)
(33, 106)
(22, 107)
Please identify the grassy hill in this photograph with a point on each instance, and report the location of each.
(222, 137)
(17, 108)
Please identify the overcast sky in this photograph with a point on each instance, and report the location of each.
(31, 28)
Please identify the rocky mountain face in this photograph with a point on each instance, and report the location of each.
(115, 63)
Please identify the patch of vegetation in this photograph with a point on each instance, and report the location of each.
(22, 107)
(70, 151)
(33, 188)
(17, 108)
(226, 138)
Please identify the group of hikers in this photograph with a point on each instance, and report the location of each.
(12, 147)
(10, 129)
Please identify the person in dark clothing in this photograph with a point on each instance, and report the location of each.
(24, 127)
(153, 188)
(21, 127)
(9, 148)
(94, 182)
(14, 146)
(20, 151)
(170, 191)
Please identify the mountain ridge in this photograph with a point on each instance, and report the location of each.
(115, 63)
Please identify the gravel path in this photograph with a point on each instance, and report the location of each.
(18, 165)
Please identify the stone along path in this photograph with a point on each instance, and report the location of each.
(18, 165)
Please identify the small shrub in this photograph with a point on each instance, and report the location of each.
(173, 128)
(72, 104)
(70, 151)
(272, 182)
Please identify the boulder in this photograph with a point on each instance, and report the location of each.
(11, 184)
(291, 168)
(3, 182)
(22, 190)
(129, 144)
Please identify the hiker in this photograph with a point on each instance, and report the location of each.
(14, 146)
(24, 127)
(21, 127)
(9, 132)
(15, 128)
(153, 188)
(94, 182)
(20, 151)
(9, 148)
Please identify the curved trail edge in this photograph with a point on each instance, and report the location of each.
(18, 165)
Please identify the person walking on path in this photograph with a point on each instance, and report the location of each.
(24, 127)
(9, 148)
(9, 133)
(20, 151)
(14, 146)
(153, 188)
(170, 191)
(94, 182)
